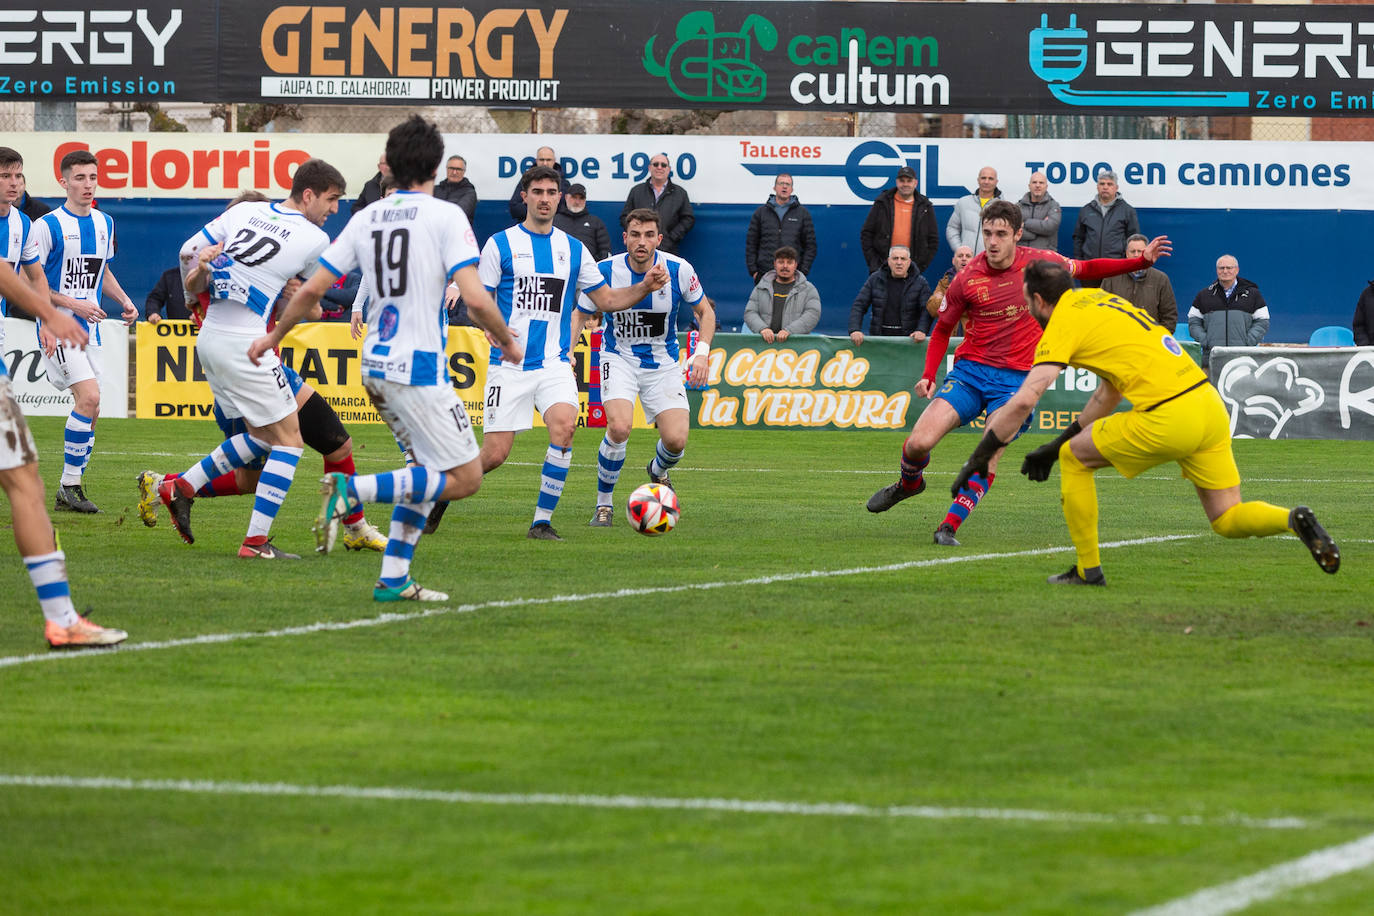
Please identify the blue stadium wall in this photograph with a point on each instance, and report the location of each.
(1304, 264)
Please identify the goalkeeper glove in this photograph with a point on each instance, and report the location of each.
(977, 462)
(1039, 460)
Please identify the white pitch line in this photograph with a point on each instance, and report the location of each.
(1243, 893)
(645, 802)
(213, 638)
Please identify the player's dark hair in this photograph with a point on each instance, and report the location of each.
(10, 156)
(318, 176)
(1004, 210)
(248, 197)
(787, 253)
(414, 149)
(74, 158)
(643, 215)
(1047, 279)
(541, 173)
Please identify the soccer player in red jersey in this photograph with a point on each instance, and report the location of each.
(1000, 335)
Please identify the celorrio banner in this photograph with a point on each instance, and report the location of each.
(1217, 175)
(932, 57)
(1297, 392)
(816, 382)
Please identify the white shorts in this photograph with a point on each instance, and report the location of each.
(658, 389)
(512, 395)
(69, 365)
(260, 394)
(16, 442)
(428, 421)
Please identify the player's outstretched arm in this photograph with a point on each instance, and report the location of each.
(616, 300)
(306, 300)
(483, 310)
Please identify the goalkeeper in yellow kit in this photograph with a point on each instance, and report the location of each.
(1177, 416)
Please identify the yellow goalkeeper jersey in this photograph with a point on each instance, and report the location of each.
(1094, 330)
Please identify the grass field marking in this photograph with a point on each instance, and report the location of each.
(1243, 893)
(642, 802)
(323, 626)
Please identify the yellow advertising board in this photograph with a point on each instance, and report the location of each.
(170, 384)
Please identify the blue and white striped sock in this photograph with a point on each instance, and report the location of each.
(408, 485)
(273, 484)
(76, 448)
(407, 522)
(551, 480)
(234, 452)
(49, 575)
(663, 460)
(610, 458)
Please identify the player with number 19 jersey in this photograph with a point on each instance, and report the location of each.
(408, 245)
(535, 280)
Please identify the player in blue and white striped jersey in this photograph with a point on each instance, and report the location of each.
(409, 246)
(17, 245)
(76, 244)
(639, 358)
(535, 272)
(246, 256)
(33, 532)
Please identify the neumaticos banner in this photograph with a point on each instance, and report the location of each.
(1015, 58)
(1297, 393)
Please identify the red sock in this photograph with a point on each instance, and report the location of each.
(347, 468)
(223, 485)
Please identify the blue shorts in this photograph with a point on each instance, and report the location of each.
(232, 426)
(972, 388)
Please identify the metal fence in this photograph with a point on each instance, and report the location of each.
(85, 117)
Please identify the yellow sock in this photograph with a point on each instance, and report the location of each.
(1252, 520)
(1078, 494)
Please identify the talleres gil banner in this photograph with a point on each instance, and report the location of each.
(1058, 58)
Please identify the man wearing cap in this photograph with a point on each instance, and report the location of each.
(582, 224)
(900, 216)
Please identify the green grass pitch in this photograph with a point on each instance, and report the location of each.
(788, 705)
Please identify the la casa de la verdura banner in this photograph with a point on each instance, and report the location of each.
(1054, 58)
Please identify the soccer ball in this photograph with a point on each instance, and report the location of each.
(652, 509)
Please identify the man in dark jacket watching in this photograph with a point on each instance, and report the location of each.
(456, 189)
(897, 297)
(583, 225)
(669, 200)
(781, 221)
(1363, 324)
(1104, 223)
(915, 228)
(1229, 313)
(372, 190)
(168, 299)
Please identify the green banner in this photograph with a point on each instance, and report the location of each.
(828, 383)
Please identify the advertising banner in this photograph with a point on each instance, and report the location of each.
(934, 57)
(827, 383)
(170, 384)
(1297, 392)
(1217, 175)
(38, 398)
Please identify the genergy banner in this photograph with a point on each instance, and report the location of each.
(738, 169)
(170, 383)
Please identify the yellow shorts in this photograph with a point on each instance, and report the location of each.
(1193, 429)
